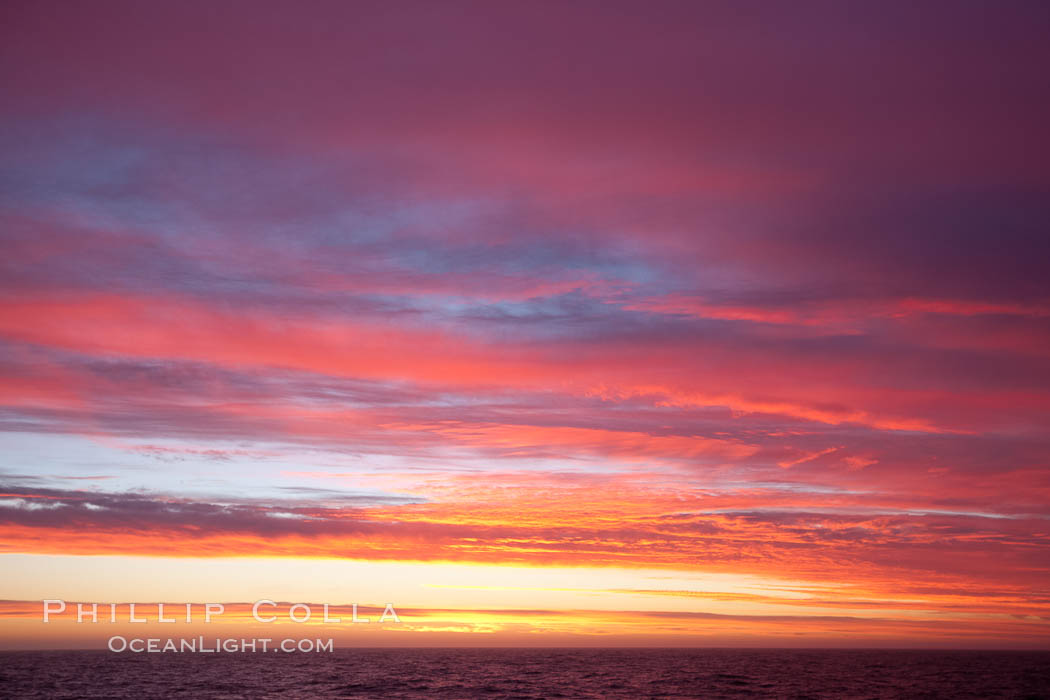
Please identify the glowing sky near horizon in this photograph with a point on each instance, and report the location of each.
(579, 322)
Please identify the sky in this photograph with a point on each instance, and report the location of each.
(550, 323)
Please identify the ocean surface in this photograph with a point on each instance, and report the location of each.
(529, 673)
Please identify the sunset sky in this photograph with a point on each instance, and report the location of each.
(551, 323)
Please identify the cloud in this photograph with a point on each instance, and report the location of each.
(758, 291)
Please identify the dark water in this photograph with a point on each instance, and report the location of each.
(530, 673)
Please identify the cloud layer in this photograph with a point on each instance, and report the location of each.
(757, 289)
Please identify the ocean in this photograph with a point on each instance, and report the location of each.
(530, 673)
